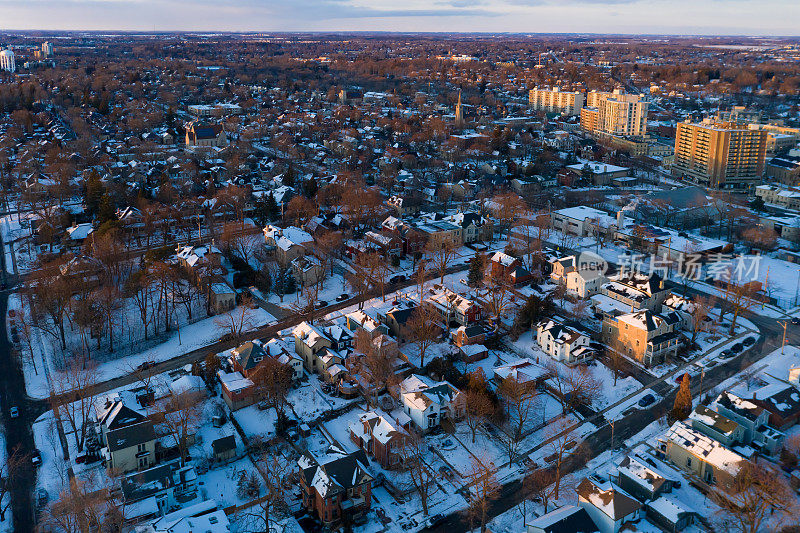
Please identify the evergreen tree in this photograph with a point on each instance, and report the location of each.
(94, 192)
(683, 401)
(106, 211)
(272, 207)
(310, 187)
(476, 267)
(288, 176)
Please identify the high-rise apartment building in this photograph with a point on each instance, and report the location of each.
(721, 155)
(617, 113)
(7, 61)
(556, 101)
(47, 49)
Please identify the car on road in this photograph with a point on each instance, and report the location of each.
(647, 399)
(434, 520)
(749, 341)
(42, 498)
(146, 365)
(36, 458)
(342, 297)
(679, 377)
(400, 278)
(14, 412)
(795, 319)
(320, 304)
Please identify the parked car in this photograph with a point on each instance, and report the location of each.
(42, 498)
(36, 458)
(795, 320)
(14, 412)
(736, 348)
(679, 377)
(647, 399)
(724, 354)
(342, 297)
(398, 278)
(434, 520)
(749, 341)
(320, 304)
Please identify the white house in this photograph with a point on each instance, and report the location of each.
(609, 507)
(584, 283)
(562, 343)
(428, 402)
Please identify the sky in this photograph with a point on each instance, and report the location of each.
(683, 17)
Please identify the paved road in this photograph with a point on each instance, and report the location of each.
(18, 432)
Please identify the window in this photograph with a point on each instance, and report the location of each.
(689, 462)
(141, 448)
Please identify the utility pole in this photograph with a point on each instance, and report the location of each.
(783, 342)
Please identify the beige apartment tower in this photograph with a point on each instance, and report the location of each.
(556, 101)
(616, 113)
(720, 155)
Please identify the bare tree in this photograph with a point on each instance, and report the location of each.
(521, 403)
(82, 508)
(274, 469)
(478, 405)
(758, 493)
(484, 488)
(422, 329)
(10, 470)
(701, 307)
(179, 415)
(561, 441)
(237, 320)
(273, 381)
(575, 384)
(416, 459)
(76, 383)
(441, 255)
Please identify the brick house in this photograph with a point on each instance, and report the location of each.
(645, 336)
(509, 269)
(337, 486)
(381, 436)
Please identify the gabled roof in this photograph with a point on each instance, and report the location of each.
(336, 475)
(608, 498)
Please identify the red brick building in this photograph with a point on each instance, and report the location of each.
(381, 436)
(337, 487)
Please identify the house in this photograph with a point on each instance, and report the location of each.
(223, 298)
(381, 436)
(157, 490)
(641, 480)
(466, 335)
(783, 403)
(636, 291)
(609, 507)
(523, 371)
(361, 320)
(395, 318)
(245, 358)
(195, 258)
(508, 269)
(205, 135)
(307, 270)
(319, 347)
(77, 233)
(452, 307)
(670, 514)
(566, 519)
(754, 421)
(337, 486)
(699, 454)
(237, 390)
(127, 437)
(582, 221)
(287, 244)
(563, 343)
(716, 426)
(440, 233)
(584, 283)
(428, 402)
(203, 516)
(224, 448)
(474, 227)
(645, 336)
